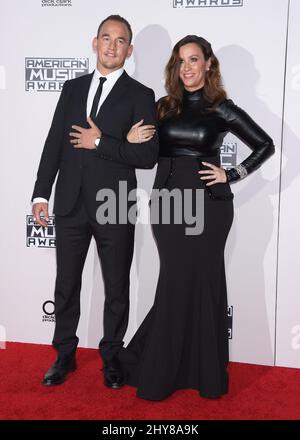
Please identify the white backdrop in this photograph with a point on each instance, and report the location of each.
(249, 38)
(288, 302)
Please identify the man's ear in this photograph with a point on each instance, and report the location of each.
(95, 43)
(129, 52)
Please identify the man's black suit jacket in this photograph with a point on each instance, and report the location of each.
(115, 159)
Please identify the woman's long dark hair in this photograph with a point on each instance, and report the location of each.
(213, 90)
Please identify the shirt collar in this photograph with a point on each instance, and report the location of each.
(113, 76)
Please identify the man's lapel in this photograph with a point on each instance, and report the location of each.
(83, 96)
(116, 92)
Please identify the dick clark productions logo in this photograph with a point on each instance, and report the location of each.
(48, 309)
(56, 3)
(49, 74)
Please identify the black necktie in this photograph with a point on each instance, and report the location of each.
(93, 113)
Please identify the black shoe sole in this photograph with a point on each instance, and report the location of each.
(52, 384)
(210, 397)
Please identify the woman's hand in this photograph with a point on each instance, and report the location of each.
(139, 133)
(216, 173)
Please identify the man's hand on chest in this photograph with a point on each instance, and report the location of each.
(85, 137)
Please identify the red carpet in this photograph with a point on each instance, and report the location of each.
(256, 392)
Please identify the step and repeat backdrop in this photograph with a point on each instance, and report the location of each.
(44, 43)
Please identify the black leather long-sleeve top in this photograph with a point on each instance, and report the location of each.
(199, 132)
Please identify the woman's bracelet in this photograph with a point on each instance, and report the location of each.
(236, 173)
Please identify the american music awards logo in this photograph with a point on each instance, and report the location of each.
(206, 3)
(229, 154)
(56, 2)
(48, 309)
(230, 318)
(49, 74)
(38, 236)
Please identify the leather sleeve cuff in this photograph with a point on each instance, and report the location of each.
(232, 175)
(236, 173)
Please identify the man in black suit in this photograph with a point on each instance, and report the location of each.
(87, 145)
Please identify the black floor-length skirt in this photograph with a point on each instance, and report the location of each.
(183, 341)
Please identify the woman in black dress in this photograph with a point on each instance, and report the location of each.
(183, 341)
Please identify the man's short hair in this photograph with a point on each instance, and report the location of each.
(120, 20)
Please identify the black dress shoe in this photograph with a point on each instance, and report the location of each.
(113, 374)
(56, 375)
